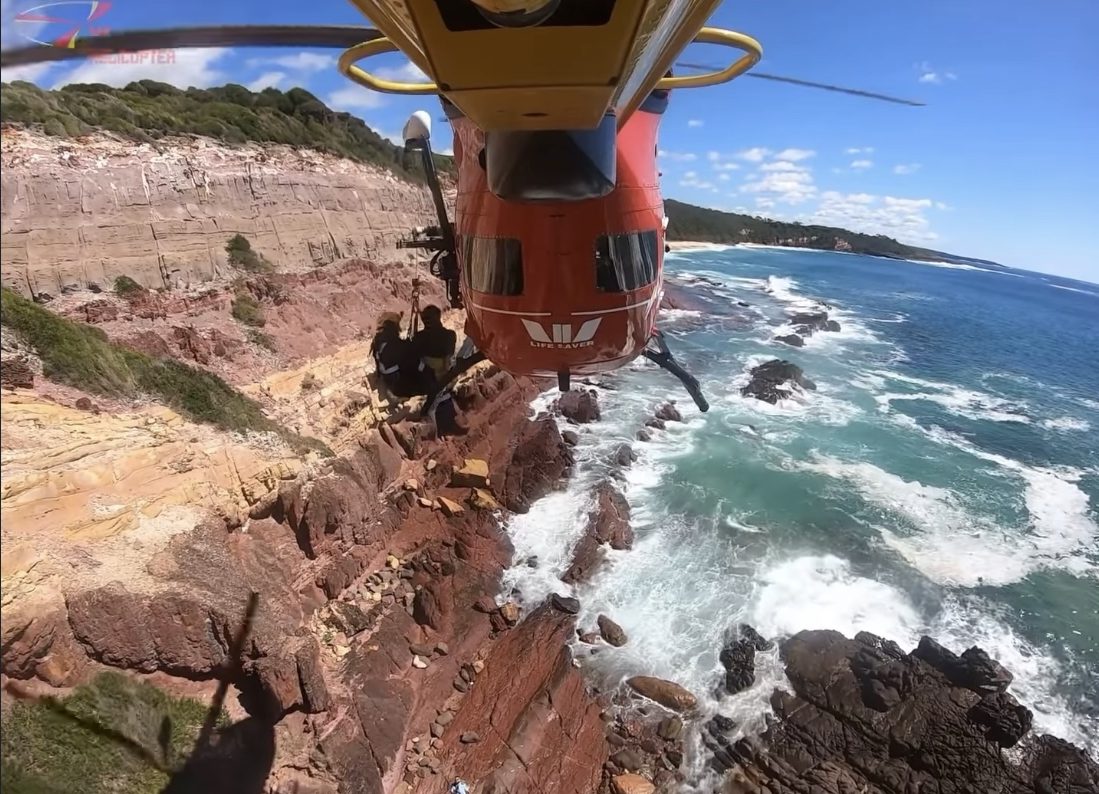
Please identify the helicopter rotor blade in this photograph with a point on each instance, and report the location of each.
(810, 84)
(334, 36)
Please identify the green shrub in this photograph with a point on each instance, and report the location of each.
(126, 287)
(241, 255)
(248, 311)
(113, 734)
(82, 356)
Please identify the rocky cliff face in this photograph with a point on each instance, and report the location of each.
(81, 214)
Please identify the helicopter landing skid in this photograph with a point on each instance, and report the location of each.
(664, 359)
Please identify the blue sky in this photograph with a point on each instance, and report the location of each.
(1003, 163)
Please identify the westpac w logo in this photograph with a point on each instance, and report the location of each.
(561, 334)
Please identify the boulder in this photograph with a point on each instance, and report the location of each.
(833, 326)
(814, 320)
(580, 407)
(668, 413)
(631, 783)
(758, 641)
(480, 499)
(667, 693)
(608, 525)
(566, 604)
(771, 381)
(791, 339)
(611, 631)
(624, 456)
(570, 437)
(739, 660)
(1005, 720)
(472, 474)
(449, 507)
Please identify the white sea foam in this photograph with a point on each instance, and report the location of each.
(821, 592)
(1092, 404)
(956, 399)
(1075, 289)
(1067, 424)
(952, 545)
(947, 265)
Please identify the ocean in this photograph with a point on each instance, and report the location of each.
(943, 479)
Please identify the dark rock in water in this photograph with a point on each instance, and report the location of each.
(570, 437)
(833, 326)
(804, 330)
(670, 728)
(566, 604)
(769, 381)
(758, 641)
(628, 759)
(743, 304)
(655, 423)
(581, 407)
(814, 320)
(644, 434)
(1006, 720)
(974, 669)
(624, 455)
(721, 724)
(669, 413)
(864, 716)
(608, 525)
(611, 631)
(739, 660)
(791, 339)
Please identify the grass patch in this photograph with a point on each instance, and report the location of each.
(126, 287)
(82, 356)
(248, 311)
(258, 337)
(241, 255)
(115, 734)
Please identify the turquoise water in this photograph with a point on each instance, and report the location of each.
(943, 479)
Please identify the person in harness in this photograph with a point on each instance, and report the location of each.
(402, 373)
(435, 343)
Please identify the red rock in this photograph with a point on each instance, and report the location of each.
(16, 373)
(538, 465)
(43, 647)
(314, 691)
(426, 609)
(277, 677)
(608, 524)
(530, 696)
(99, 311)
(630, 783)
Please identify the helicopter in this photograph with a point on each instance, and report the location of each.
(556, 250)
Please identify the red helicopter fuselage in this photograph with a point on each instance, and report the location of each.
(555, 287)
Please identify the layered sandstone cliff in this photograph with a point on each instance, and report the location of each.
(80, 214)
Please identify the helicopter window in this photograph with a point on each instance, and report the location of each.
(625, 262)
(494, 265)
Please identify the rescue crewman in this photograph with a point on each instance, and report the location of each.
(435, 343)
(398, 366)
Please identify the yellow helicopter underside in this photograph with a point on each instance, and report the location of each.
(544, 76)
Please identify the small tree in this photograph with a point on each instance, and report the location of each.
(248, 311)
(241, 255)
(126, 287)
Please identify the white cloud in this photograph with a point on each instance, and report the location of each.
(780, 165)
(782, 182)
(353, 97)
(266, 80)
(795, 155)
(764, 203)
(713, 157)
(695, 122)
(723, 177)
(298, 62)
(861, 165)
(407, 72)
(753, 155)
(32, 72)
(860, 150)
(932, 76)
(902, 218)
(690, 179)
(677, 157)
(690, 175)
(727, 167)
(187, 67)
(905, 169)
(942, 205)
